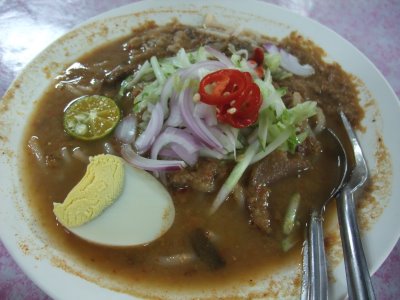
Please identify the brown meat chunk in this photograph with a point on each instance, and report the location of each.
(257, 204)
(205, 249)
(118, 72)
(204, 177)
(276, 166)
(310, 147)
(80, 79)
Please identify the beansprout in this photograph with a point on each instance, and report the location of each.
(321, 121)
(177, 259)
(80, 155)
(213, 236)
(65, 154)
(33, 144)
(163, 177)
(79, 90)
(238, 194)
(108, 148)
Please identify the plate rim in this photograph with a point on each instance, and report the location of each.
(151, 4)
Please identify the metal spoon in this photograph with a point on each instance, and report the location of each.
(359, 284)
(315, 277)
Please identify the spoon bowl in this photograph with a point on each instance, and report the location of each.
(315, 277)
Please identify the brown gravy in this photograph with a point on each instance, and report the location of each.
(246, 250)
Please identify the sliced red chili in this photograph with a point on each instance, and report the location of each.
(237, 122)
(243, 111)
(260, 71)
(236, 96)
(219, 87)
(222, 86)
(248, 77)
(250, 102)
(257, 61)
(258, 56)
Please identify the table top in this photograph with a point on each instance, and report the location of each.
(28, 26)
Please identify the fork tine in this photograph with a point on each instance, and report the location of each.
(360, 171)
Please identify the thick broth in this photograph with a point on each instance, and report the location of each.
(246, 250)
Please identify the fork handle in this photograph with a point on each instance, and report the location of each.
(318, 277)
(359, 284)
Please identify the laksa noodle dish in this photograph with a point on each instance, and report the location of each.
(227, 127)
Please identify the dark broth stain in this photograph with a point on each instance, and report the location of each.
(248, 252)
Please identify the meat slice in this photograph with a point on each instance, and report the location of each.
(118, 72)
(205, 249)
(310, 147)
(276, 166)
(205, 177)
(257, 204)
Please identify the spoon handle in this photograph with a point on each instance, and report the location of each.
(318, 281)
(305, 278)
(359, 284)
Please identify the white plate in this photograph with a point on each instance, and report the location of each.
(29, 245)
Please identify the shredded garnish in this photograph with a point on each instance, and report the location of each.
(218, 104)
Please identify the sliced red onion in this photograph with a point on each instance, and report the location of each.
(174, 136)
(150, 164)
(175, 117)
(146, 139)
(166, 93)
(220, 56)
(195, 69)
(126, 130)
(290, 62)
(189, 157)
(177, 152)
(194, 123)
(207, 152)
(167, 152)
(223, 138)
(271, 48)
(206, 112)
(172, 152)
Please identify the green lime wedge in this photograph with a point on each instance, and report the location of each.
(91, 117)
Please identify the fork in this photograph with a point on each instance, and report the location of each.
(359, 284)
(314, 275)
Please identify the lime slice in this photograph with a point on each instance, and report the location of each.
(91, 117)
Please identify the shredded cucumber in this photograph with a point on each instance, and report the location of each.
(290, 241)
(291, 214)
(235, 176)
